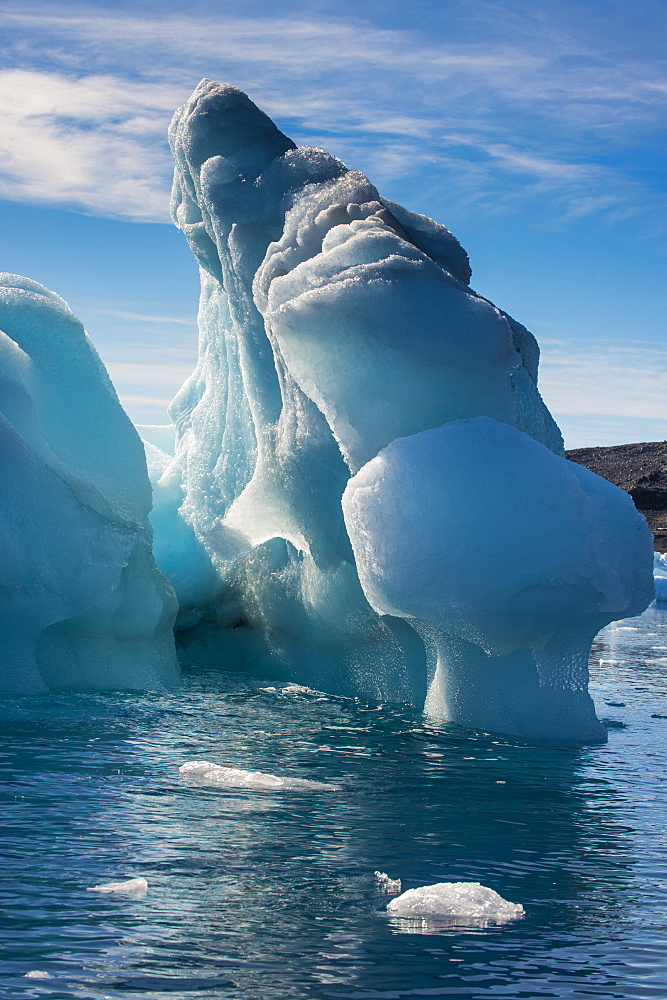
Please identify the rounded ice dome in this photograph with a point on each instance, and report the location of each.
(480, 531)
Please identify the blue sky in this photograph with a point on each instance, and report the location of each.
(534, 130)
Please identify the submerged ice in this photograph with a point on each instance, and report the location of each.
(367, 493)
(82, 604)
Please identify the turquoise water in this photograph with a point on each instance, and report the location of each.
(258, 895)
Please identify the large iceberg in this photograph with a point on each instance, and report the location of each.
(82, 604)
(367, 493)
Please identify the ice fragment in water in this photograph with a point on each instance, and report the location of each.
(132, 887)
(37, 974)
(202, 772)
(462, 903)
(386, 884)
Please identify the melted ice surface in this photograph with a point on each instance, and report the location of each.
(205, 773)
(456, 903)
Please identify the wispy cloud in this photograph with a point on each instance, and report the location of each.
(514, 100)
(145, 318)
(94, 143)
(600, 391)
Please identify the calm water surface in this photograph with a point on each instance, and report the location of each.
(256, 895)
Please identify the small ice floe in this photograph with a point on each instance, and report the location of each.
(455, 904)
(37, 974)
(131, 887)
(202, 772)
(386, 884)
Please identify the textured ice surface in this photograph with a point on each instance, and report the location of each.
(204, 773)
(81, 602)
(448, 529)
(131, 887)
(464, 903)
(338, 331)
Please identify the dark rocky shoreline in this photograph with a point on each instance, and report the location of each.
(640, 470)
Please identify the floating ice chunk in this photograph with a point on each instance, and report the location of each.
(386, 884)
(37, 974)
(215, 775)
(132, 887)
(456, 903)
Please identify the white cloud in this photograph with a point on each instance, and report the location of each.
(96, 143)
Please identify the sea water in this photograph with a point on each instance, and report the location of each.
(257, 890)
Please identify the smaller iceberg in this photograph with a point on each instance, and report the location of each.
(82, 603)
(455, 903)
(202, 772)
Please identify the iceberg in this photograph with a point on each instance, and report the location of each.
(82, 603)
(366, 493)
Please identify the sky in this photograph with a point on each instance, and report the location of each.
(533, 129)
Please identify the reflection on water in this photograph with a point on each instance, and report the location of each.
(271, 893)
